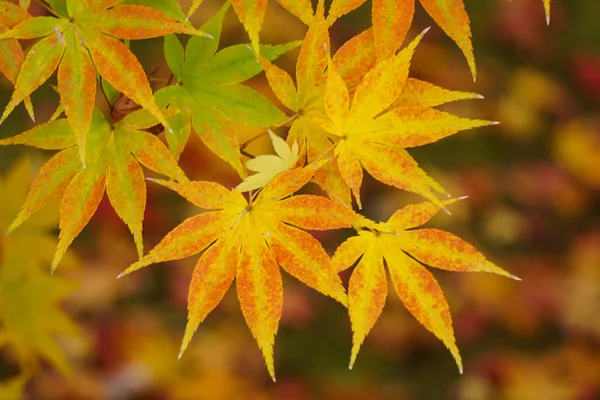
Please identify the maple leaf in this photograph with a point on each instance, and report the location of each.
(268, 166)
(115, 155)
(247, 241)
(402, 248)
(83, 35)
(30, 300)
(392, 18)
(305, 98)
(372, 136)
(11, 52)
(252, 13)
(211, 93)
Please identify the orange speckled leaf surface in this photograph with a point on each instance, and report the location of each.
(77, 88)
(257, 237)
(251, 13)
(300, 8)
(311, 63)
(416, 287)
(452, 17)
(341, 7)
(391, 21)
(374, 133)
(356, 57)
(119, 66)
(282, 84)
(11, 14)
(133, 22)
(367, 291)
(11, 53)
(421, 94)
(41, 62)
(114, 157)
(260, 293)
(411, 127)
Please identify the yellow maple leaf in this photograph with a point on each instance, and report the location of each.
(268, 166)
(403, 249)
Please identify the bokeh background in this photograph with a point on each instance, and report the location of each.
(534, 209)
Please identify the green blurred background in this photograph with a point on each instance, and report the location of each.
(534, 209)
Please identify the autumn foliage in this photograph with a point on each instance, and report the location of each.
(339, 114)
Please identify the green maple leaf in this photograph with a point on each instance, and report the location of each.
(83, 39)
(114, 153)
(211, 93)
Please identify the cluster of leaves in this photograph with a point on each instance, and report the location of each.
(353, 110)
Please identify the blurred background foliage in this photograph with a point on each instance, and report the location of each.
(534, 209)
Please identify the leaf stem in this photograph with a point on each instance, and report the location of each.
(263, 133)
(104, 94)
(47, 7)
(245, 153)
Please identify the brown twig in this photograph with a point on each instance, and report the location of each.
(263, 133)
(47, 7)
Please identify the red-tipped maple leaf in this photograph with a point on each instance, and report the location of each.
(398, 245)
(115, 155)
(247, 241)
(81, 42)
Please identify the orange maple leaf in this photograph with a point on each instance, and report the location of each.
(392, 19)
(87, 37)
(305, 98)
(115, 155)
(247, 240)
(401, 247)
(373, 135)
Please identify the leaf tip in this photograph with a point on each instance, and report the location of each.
(122, 274)
(425, 31)
(495, 123)
(460, 369)
(516, 278)
(479, 96)
(462, 198)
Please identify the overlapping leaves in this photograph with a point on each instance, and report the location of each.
(248, 241)
(115, 154)
(210, 92)
(400, 247)
(81, 40)
(358, 110)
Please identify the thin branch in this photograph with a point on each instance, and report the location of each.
(244, 152)
(48, 8)
(263, 133)
(104, 94)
